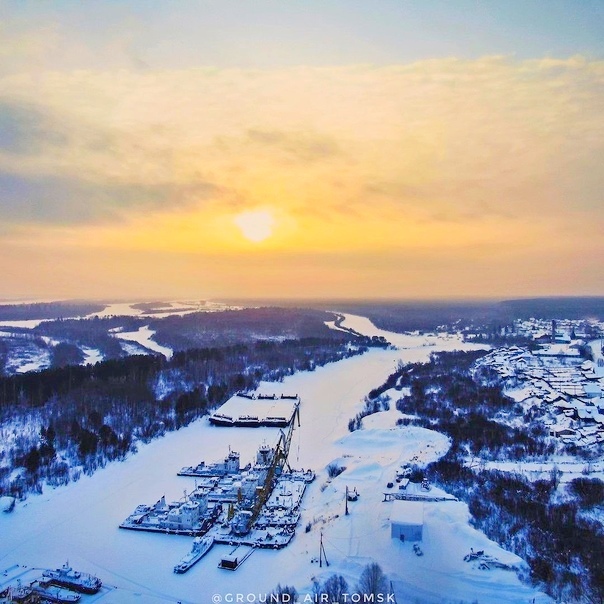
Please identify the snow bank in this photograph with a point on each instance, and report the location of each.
(6, 504)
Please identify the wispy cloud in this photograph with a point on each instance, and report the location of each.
(440, 154)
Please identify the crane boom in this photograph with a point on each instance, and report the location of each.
(278, 461)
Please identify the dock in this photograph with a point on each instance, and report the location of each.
(234, 559)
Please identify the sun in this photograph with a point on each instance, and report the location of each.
(255, 225)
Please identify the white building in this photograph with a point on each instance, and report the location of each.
(407, 520)
(186, 517)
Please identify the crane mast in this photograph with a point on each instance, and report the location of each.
(277, 463)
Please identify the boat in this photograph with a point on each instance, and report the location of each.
(73, 579)
(201, 546)
(219, 419)
(230, 465)
(50, 593)
(247, 421)
(18, 594)
(275, 421)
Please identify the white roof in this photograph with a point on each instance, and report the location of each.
(407, 512)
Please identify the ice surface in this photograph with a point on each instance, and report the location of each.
(143, 336)
(27, 323)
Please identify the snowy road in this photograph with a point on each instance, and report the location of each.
(79, 522)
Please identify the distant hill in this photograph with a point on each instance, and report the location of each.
(552, 308)
(47, 310)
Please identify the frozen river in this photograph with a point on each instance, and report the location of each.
(79, 522)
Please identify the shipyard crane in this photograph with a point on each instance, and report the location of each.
(278, 461)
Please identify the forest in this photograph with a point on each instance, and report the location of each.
(48, 310)
(57, 423)
(230, 326)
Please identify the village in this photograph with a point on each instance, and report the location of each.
(557, 382)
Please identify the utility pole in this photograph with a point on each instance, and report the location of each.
(347, 500)
(392, 592)
(322, 553)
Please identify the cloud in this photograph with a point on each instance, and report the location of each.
(304, 147)
(71, 201)
(25, 128)
(465, 143)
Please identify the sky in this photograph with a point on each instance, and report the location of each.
(301, 148)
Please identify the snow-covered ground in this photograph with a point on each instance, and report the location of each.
(143, 336)
(31, 358)
(27, 324)
(79, 522)
(91, 356)
(38, 363)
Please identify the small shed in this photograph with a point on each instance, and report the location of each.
(230, 562)
(407, 520)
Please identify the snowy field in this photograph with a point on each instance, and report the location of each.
(79, 522)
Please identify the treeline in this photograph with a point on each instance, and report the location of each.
(373, 586)
(195, 330)
(576, 308)
(93, 414)
(371, 406)
(47, 310)
(207, 329)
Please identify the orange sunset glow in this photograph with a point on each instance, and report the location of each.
(437, 176)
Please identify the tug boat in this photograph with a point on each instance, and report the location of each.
(72, 579)
(201, 546)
